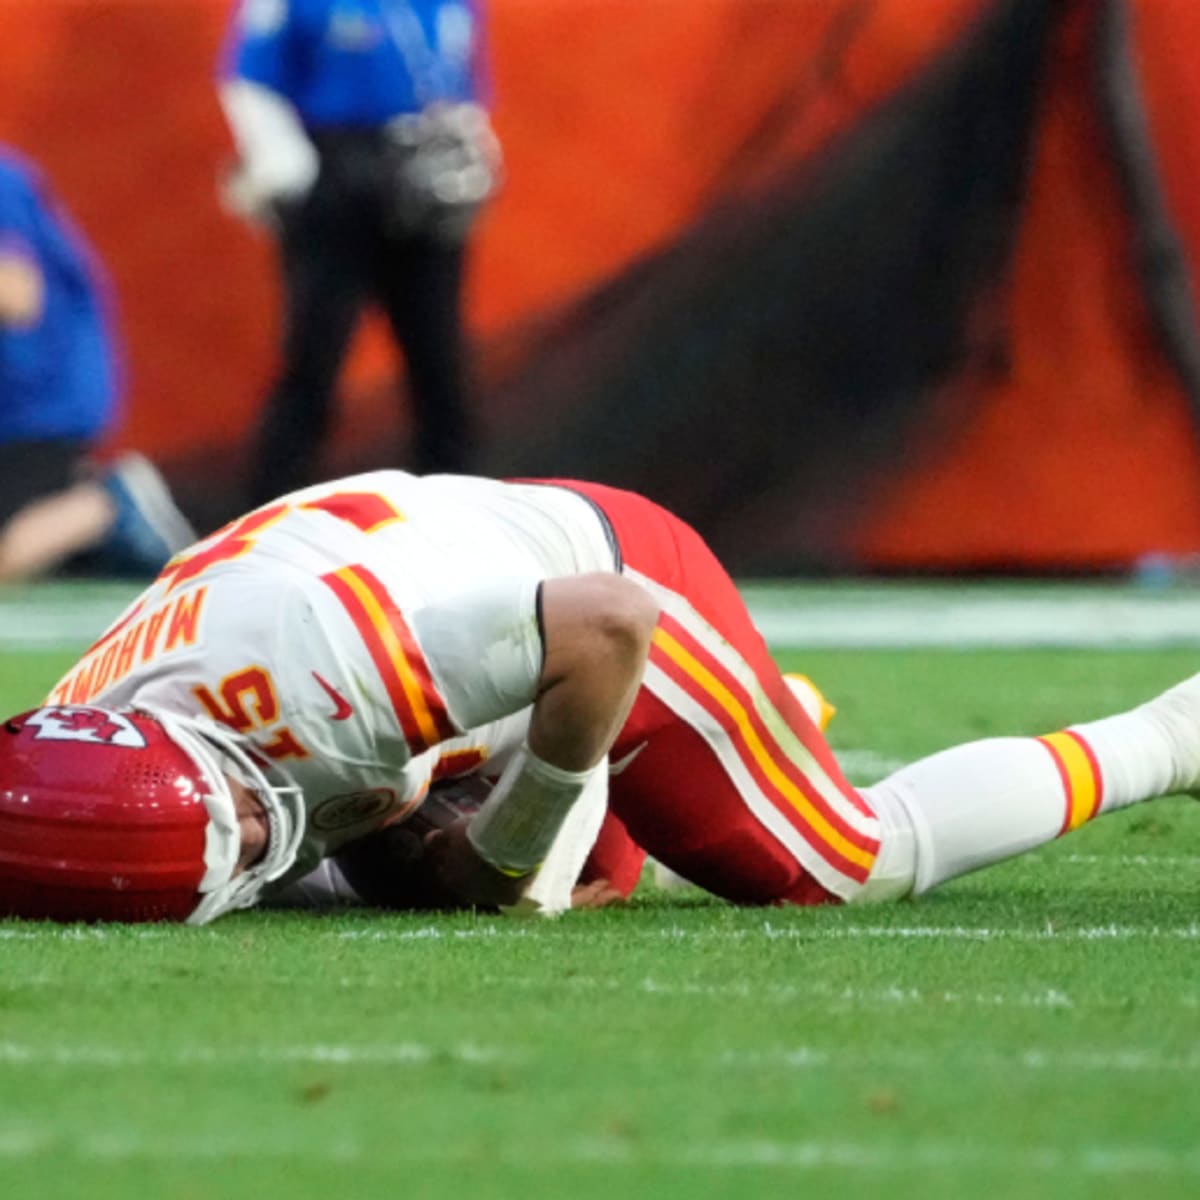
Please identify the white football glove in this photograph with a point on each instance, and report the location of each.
(277, 162)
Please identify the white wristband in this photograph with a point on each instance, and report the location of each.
(519, 821)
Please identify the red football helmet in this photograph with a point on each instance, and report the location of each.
(127, 815)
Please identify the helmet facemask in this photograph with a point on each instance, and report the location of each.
(218, 753)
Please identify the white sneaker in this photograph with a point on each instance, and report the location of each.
(148, 529)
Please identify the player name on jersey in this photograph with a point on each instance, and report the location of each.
(135, 641)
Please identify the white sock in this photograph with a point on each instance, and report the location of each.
(986, 801)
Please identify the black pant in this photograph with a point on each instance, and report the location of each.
(32, 470)
(339, 250)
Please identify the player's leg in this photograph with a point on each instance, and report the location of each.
(324, 247)
(55, 505)
(147, 528)
(692, 798)
(986, 801)
(420, 280)
(615, 858)
(703, 803)
(47, 513)
(52, 529)
(732, 786)
(721, 775)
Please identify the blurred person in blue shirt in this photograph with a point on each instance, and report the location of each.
(364, 142)
(58, 398)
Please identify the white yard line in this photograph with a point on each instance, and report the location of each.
(799, 615)
(805, 932)
(93, 933)
(381, 1054)
(1131, 1159)
(59, 617)
(1107, 1160)
(1126, 1061)
(832, 997)
(1160, 861)
(968, 933)
(801, 930)
(973, 615)
(883, 996)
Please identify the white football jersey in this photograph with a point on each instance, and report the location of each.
(370, 635)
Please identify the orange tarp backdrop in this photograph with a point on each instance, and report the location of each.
(621, 119)
(1088, 452)
(601, 105)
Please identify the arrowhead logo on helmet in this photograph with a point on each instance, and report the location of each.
(85, 725)
(128, 815)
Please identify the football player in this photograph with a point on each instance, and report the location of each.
(298, 681)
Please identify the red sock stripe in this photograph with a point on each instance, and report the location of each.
(1079, 772)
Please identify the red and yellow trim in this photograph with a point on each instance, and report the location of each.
(235, 540)
(397, 656)
(1079, 771)
(453, 763)
(368, 511)
(776, 773)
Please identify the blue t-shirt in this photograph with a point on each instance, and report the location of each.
(58, 377)
(357, 62)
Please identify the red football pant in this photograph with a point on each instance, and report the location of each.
(696, 770)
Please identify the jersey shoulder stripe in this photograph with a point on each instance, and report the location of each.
(394, 650)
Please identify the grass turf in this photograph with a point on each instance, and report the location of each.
(1028, 1031)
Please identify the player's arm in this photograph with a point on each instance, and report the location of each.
(22, 289)
(596, 632)
(22, 276)
(277, 161)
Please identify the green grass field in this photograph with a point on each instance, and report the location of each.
(1033, 1030)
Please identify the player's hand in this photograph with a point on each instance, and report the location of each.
(597, 894)
(256, 201)
(459, 869)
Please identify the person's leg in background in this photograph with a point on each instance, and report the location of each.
(419, 280)
(55, 506)
(47, 513)
(323, 249)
